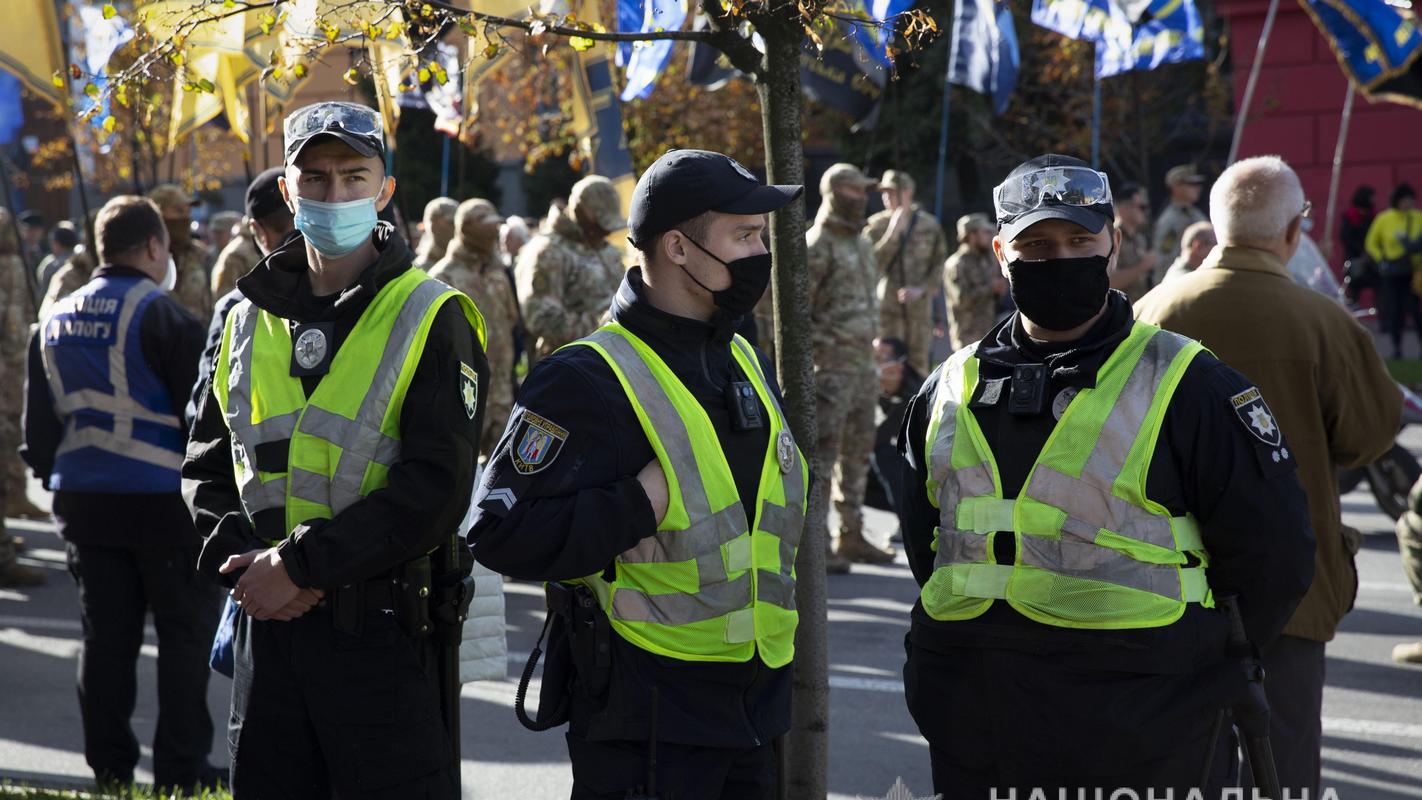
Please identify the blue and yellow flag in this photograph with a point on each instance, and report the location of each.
(1378, 47)
(1169, 31)
(30, 48)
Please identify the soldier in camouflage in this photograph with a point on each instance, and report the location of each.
(1136, 261)
(438, 230)
(974, 282)
(472, 265)
(193, 259)
(910, 248)
(235, 260)
(16, 313)
(569, 272)
(843, 318)
(1185, 186)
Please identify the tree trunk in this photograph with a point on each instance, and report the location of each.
(807, 745)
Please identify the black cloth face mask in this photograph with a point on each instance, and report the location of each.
(1060, 293)
(749, 277)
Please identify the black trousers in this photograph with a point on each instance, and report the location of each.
(320, 713)
(999, 721)
(1293, 682)
(609, 770)
(117, 586)
(1398, 302)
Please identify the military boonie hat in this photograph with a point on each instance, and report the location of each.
(840, 174)
(1185, 173)
(684, 184)
(171, 197)
(973, 222)
(598, 198)
(895, 180)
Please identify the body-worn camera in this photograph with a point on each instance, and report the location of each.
(745, 407)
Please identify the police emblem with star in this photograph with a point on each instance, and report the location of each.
(469, 389)
(1254, 414)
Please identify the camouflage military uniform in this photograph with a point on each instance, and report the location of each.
(17, 311)
(843, 321)
(1134, 247)
(565, 284)
(75, 273)
(472, 266)
(969, 277)
(1169, 227)
(917, 263)
(438, 230)
(235, 260)
(194, 289)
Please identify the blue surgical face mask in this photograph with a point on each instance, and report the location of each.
(335, 229)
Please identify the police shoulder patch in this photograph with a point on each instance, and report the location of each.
(536, 443)
(1270, 449)
(469, 389)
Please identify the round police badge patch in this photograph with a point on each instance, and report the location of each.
(785, 451)
(310, 348)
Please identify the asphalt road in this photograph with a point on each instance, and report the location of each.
(1372, 707)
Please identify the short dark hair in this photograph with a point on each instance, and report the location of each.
(696, 228)
(1402, 192)
(279, 221)
(125, 224)
(65, 236)
(1127, 191)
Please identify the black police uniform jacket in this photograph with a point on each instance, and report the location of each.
(573, 511)
(1251, 508)
(439, 440)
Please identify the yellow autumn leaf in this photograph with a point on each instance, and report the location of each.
(492, 50)
(424, 74)
(277, 72)
(299, 70)
(332, 32)
(57, 79)
(109, 11)
(426, 10)
(109, 124)
(581, 43)
(91, 90)
(177, 58)
(229, 3)
(352, 76)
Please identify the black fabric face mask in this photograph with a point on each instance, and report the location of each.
(749, 277)
(1060, 293)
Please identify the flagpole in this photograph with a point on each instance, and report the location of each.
(1242, 113)
(1337, 172)
(444, 167)
(1095, 110)
(943, 123)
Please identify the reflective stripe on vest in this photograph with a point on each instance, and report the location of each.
(1093, 550)
(706, 586)
(119, 407)
(340, 450)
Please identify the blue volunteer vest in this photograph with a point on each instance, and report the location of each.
(121, 434)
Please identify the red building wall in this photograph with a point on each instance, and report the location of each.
(1298, 105)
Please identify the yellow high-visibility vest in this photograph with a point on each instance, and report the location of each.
(346, 436)
(1092, 550)
(709, 585)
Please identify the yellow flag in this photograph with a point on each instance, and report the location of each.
(30, 47)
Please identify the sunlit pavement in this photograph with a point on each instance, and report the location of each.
(1372, 707)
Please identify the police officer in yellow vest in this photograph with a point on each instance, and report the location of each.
(1089, 486)
(325, 464)
(649, 472)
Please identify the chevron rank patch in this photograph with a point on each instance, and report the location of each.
(538, 442)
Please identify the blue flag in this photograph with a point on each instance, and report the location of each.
(1379, 49)
(646, 60)
(12, 110)
(985, 52)
(1169, 31)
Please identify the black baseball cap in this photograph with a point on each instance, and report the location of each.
(683, 184)
(264, 194)
(1092, 217)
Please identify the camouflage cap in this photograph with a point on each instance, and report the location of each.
(597, 198)
(896, 180)
(844, 174)
(440, 208)
(974, 222)
(1185, 173)
(171, 197)
(475, 211)
(223, 219)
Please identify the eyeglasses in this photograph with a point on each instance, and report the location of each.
(318, 117)
(1068, 186)
(1307, 209)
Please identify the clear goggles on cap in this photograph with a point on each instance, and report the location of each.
(1064, 186)
(320, 117)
